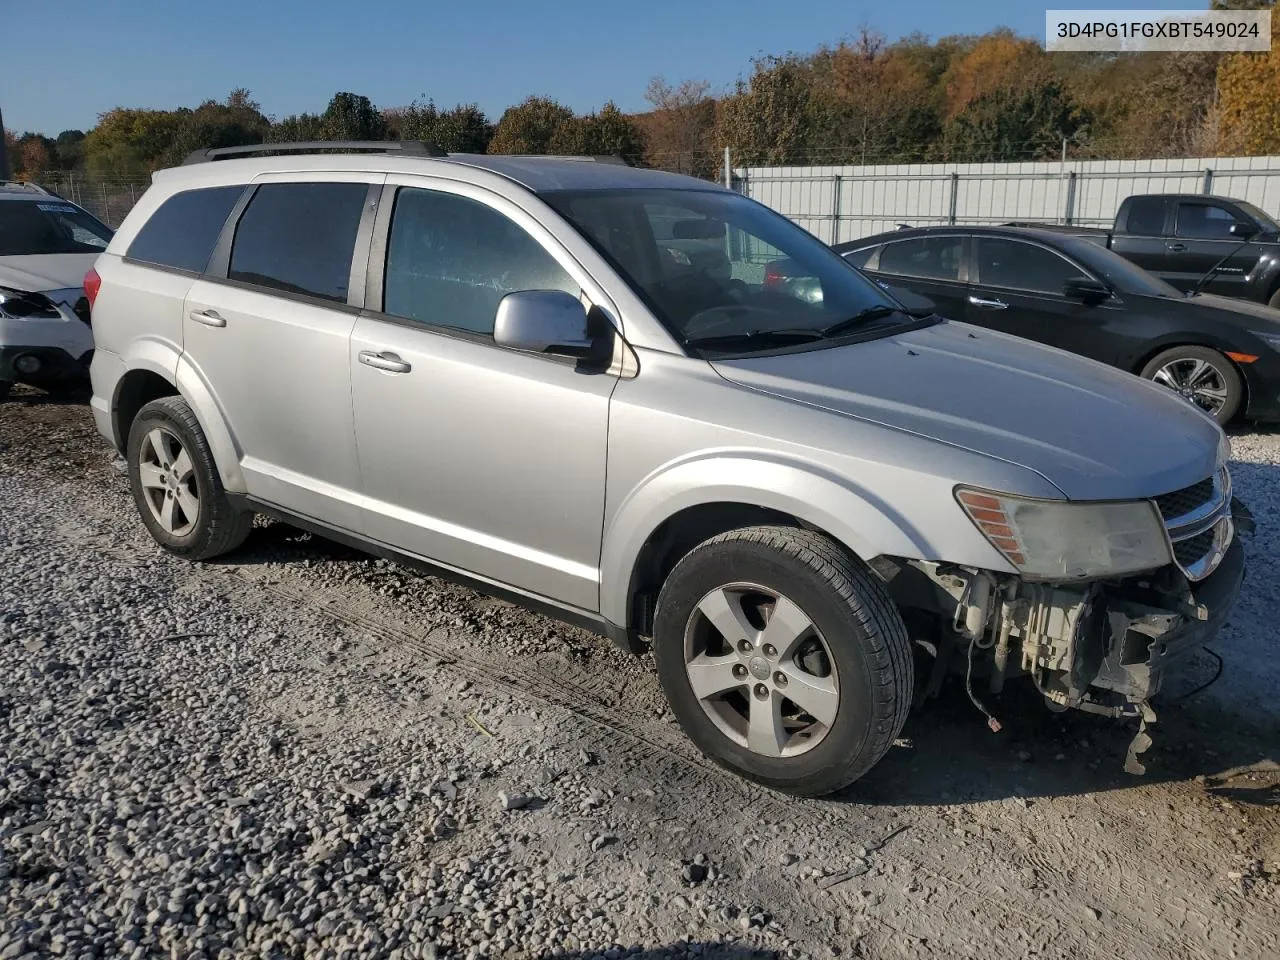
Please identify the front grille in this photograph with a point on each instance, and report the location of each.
(1184, 501)
(1199, 525)
(1191, 551)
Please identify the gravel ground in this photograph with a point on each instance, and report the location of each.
(301, 751)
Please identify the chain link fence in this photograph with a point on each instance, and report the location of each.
(107, 199)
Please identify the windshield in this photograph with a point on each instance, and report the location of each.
(30, 228)
(1265, 220)
(725, 273)
(1124, 275)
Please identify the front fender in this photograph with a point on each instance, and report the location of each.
(856, 517)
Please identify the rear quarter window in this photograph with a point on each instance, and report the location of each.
(860, 258)
(182, 232)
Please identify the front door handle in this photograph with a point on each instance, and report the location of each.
(1176, 247)
(210, 318)
(989, 304)
(384, 361)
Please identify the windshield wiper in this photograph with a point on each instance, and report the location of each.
(869, 315)
(755, 338)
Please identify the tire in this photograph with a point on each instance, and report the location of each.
(852, 621)
(202, 522)
(1215, 387)
(1274, 302)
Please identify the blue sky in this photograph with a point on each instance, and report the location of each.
(294, 55)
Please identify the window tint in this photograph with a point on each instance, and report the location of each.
(1022, 266)
(299, 237)
(1205, 221)
(933, 258)
(1146, 216)
(182, 232)
(451, 259)
(860, 258)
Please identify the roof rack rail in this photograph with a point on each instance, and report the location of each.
(408, 148)
(26, 186)
(612, 158)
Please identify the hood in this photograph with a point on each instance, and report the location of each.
(1094, 432)
(42, 273)
(1256, 316)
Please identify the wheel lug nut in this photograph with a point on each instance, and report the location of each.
(761, 691)
(744, 646)
(780, 678)
(769, 650)
(739, 671)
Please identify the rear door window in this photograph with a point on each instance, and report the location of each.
(1017, 265)
(299, 238)
(181, 234)
(1146, 216)
(930, 258)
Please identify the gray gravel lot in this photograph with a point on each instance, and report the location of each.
(305, 752)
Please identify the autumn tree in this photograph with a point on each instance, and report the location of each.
(35, 155)
(679, 131)
(528, 127)
(130, 143)
(1248, 88)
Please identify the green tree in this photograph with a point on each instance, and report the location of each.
(69, 149)
(768, 119)
(1009, 124)
(529, 126)
(462, 129)
(298, 128)
(234, 122)
(350, 116)
(130, 143)
(609, 132)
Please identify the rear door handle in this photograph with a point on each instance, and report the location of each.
(989, 304)
(210, 318)
(384, 361)
(1176, 247)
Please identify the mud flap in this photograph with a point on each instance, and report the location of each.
(1141, 742)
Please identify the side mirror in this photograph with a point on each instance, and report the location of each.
(543, 321)
(1243, 231)
(1080, 288)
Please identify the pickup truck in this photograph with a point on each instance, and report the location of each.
(1181, 238)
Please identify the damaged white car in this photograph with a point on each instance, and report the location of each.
(47, 244)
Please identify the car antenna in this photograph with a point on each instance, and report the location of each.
(1212, 271)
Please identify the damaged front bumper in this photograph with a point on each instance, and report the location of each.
(1104, 647)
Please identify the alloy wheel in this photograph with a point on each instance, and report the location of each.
(168, 481)
(761, 670)
(1196, 381)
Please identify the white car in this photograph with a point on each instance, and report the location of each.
(47, 245)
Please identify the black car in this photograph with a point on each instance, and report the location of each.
(1222, 354)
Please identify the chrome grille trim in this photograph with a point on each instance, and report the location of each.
(1212, 516)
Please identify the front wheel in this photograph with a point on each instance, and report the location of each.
(1199, 375)
(783, 658)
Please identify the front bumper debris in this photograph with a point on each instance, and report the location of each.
(1103, 647)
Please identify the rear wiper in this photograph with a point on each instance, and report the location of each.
(755, 338)
(870, 314)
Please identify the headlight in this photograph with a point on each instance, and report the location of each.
(1060, 540)
(16, 305)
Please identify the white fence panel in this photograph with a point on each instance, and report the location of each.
(847, 202)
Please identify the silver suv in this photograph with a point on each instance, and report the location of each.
(576, 384)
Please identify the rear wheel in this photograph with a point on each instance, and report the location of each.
(1199, 375)
(176, 486)
(783, 658)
